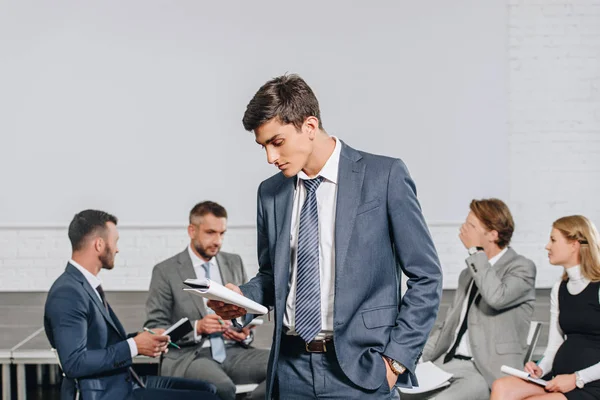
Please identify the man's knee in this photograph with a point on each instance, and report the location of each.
(225, 389)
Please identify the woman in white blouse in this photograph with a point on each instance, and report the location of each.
(571, 362)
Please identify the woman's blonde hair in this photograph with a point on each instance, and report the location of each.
(578, 227)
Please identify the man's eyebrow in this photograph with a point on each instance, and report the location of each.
(270, 140)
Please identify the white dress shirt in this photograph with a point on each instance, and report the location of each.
(94, 282)
(576, 284)
(464, 347)
(326, 204)
(215, 276)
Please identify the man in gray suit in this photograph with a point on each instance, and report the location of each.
(488, 322)
(335, 228)
(215, 351)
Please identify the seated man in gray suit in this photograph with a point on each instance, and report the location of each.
(215, 351)
(488, 322)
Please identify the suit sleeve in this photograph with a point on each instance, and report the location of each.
(67, 314)
(417, 257)
(261, 288)
(513, 288)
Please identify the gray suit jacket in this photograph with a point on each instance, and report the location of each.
(167, 303)
(499, 319)
(379, 230)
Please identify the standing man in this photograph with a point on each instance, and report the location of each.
(335, 229)
(488, 323)
(95, 352)
(214, 352)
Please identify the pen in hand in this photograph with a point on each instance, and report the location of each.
(154, 333)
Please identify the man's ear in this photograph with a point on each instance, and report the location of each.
(493, 236)
(312, 126)
(99, 244)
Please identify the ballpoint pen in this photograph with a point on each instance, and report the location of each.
(154, 333)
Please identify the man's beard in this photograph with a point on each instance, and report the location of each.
(202, 251)
(107, 259)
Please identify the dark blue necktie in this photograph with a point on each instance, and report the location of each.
(308, 290)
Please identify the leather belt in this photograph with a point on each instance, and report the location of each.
(316, 346)
(319, 346)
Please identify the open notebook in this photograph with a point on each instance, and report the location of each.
(523, 375)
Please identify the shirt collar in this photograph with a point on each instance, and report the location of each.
(498, 256)
(92, 279)
(197, 261)
(330, 169)
(574, 273)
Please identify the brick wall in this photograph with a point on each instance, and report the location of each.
(32, 257)
(554, 119)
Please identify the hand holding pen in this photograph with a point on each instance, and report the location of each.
(168, 339)
(151, 344)
(211, 323)
(533, 369)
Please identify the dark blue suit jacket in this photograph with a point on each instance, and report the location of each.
(379, 230)
(91, 342)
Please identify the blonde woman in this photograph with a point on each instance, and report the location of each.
(571, 362)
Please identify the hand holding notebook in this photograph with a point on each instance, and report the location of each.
(213, 291)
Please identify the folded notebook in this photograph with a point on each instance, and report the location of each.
(179, 329)
(213, 291)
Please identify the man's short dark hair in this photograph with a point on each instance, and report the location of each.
(287, 98)
(86, 223)
(208, 207)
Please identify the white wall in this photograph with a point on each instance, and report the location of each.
(135, 107)
(553, 165)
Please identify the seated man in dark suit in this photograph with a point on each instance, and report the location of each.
(92, 345)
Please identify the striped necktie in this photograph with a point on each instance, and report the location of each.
(308, 290)
(217, 344)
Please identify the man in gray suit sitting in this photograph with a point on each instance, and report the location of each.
(488, 322)
(214, 351)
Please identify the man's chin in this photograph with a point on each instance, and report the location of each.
(109, 267)
(288, 172)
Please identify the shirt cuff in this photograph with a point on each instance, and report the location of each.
(589, 374)
(197, 338)
(132, 347)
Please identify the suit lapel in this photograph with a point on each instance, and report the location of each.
(350, 181)
(92, 293)
(224, 269)
(186, 271)
(284, 202)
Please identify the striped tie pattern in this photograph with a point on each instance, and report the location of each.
(217, 344)
(308, 290)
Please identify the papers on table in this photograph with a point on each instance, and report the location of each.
(213, 291)
(430, 377)
(523, 375)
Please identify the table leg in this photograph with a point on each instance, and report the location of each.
(6, 382)
(21, 383)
